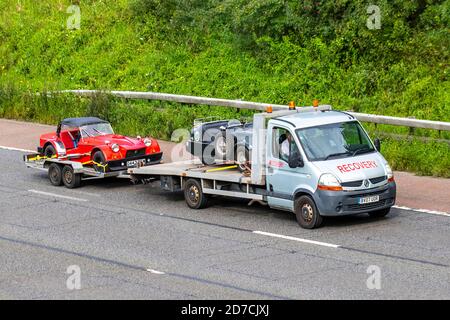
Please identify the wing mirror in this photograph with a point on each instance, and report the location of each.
(377, 144)
(295, 160)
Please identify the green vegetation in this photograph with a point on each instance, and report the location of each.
(258, 50)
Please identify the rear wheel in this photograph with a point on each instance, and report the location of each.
(99, 161)
(193, 194)
(55, 174)
(242, 158)
(70, 179)
(49, 151)
(380, 213)
(306, 212)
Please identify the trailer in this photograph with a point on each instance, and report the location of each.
(332, 168)
(65, 171)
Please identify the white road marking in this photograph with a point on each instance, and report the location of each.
(441, 213)
(15, 149)
(155, 271)
(297, 239)
(57, 195)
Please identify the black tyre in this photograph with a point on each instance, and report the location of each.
(98, 157)
(380, 213)
(242, 158)
(70, 179)
(193, 194)
(55, 174)
(220, 146)
(49, 151)
(306, 212)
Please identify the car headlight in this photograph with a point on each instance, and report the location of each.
(115, 147)
(196, 135)
(147, 142)
(329, 182)
(389, 172)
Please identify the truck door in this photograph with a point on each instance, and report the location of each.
(282, 180)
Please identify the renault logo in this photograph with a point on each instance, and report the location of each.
(366, 183)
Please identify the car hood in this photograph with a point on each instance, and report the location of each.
(122, 141)
(360, 167)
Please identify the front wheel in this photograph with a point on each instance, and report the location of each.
(99, 162)
(380, 213)
(70, 179)
(193, 194)
(306, 212)
(49, 151)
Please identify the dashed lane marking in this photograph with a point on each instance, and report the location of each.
(319, 243)
(57, 195)
(440, 213)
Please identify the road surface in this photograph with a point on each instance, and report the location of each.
(137, 242)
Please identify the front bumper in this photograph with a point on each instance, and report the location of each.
(118, 165)
(341, 203)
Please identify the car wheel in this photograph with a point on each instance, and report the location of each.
(380, 213)
(70, 179)
(242, 158)
(49, 151)
(55, 174)
(193, 194)
(99, 158)
(306, 212)
(220, 146)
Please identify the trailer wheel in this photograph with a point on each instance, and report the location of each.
(70, 179)
(306, 212)
(193, 194)
(55, 174)
(380, 213)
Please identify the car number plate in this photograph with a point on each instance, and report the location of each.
(135, 163)
(369, 200)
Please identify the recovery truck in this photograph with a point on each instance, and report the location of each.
(332, 168)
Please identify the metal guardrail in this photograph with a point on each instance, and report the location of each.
(377, 119)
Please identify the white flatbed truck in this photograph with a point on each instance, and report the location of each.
(333, 169)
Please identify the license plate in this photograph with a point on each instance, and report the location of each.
(369, 200)
(135, 163)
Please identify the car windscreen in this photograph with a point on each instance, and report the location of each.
(336, 140)
(95, 130)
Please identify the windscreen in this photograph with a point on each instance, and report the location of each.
(337, 140)
(95, 130)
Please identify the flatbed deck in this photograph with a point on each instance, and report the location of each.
(223, 179)
(194, 169)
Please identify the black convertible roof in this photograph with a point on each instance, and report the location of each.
(79, 122)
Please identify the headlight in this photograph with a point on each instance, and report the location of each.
(389, 172)
(329, 182)
(147, 142)
(115, 147)
(197, 135)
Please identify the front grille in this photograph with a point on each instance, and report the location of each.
(366, 206)
(135, 153)
(352, 184)
(366, 194)
(378, 179)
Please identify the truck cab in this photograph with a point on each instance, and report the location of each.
(324, 162)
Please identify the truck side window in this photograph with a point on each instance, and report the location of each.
(283, 144)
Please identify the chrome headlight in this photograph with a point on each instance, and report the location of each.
(147, 142)
(115, 147)
(197, 135)
(329, 182)
(389, 172)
